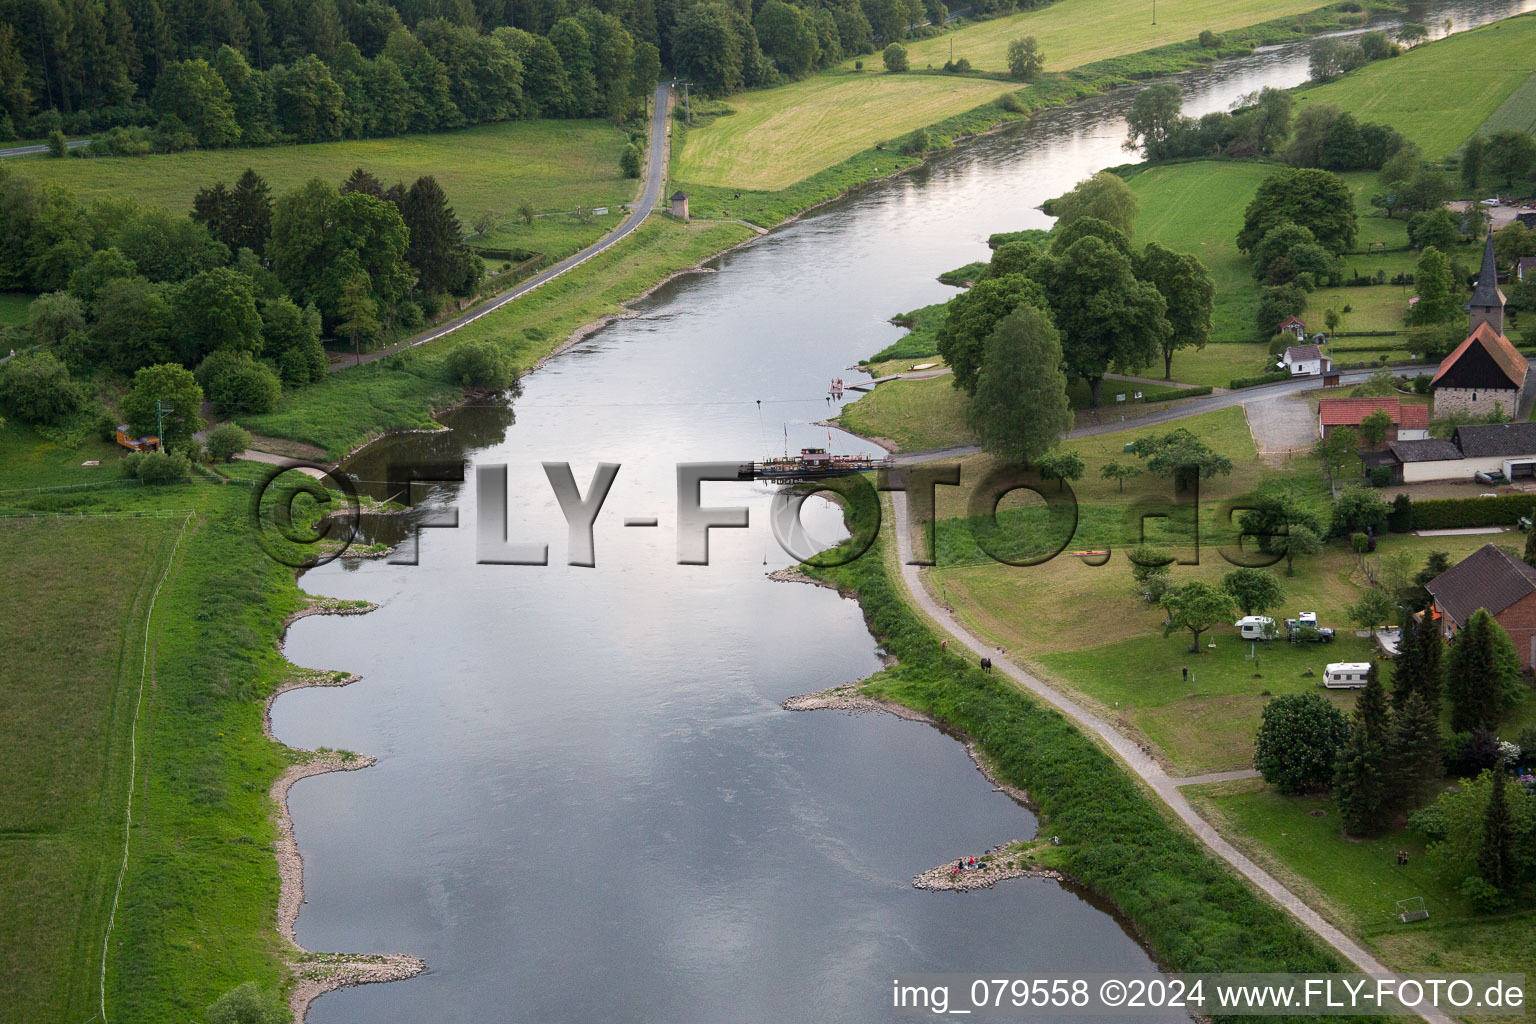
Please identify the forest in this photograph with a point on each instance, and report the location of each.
(164, 75)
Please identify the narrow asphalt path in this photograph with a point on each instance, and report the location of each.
(1188, 407)
(29, 150)
(655, 173)
(1150, 772)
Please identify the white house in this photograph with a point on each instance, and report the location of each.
(1305, 359)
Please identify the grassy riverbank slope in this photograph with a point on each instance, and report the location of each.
(199, 894)
(1439, 93)
(1190, 911)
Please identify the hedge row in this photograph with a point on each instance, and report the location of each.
(1172, 394)
(1192, 912)
(1272, 377)
(1459, 513)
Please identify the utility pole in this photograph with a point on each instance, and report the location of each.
(161, 408)
(687, 102)
(1154, 12)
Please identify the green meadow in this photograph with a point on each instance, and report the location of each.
(1437, 94)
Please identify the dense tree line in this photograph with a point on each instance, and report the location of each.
(236, 296)
(225, 72)
(169, 75)
(1087, 304)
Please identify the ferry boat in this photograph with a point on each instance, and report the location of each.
(810, 464)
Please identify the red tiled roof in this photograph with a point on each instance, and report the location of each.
(1510, 362)
(1348, 412)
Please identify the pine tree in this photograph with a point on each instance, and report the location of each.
(251, 211)
(1359, 781)
(1530, 548)
(1477, 674)
(1496, 858)
(1413, 759)
(214, 208)
(363, 181)
(1408, 666)
(436, 246)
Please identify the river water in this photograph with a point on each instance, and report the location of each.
(588, 805)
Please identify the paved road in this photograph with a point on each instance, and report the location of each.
(1165, 787)
(28, 150)
(1185, 409)
(656, 172)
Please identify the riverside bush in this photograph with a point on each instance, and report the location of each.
(1194, 914)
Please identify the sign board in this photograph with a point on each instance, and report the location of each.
(1138, 394)
(598, 211)
(1120, 397)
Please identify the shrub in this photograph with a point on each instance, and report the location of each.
(630, 160)
(37, 389)
(895, 57)
(1010, 102)
(235, 382)
(57, 145)
(227, 440)
(1209, 40)
(480, 364)
(858, 65)
(248, 1004)
(917, 143)
(160, 467)
(1264, 378)
(1381, 476)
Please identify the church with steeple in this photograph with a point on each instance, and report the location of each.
(1485, 373)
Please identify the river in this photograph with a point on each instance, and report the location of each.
(588, 805)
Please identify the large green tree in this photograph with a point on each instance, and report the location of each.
(174, 387)
(1108, 319)
(1298, 742)
(1153, 119)
(1196, 606)
(1414, 757)
(1256, 591)
(1186, 287)
(215, 310)
(1317, 200)
(1020, 410)
(322, 240)
(442, 260)
(1179, 455)
(1440, 300)
(972, 316)
(1105, 196)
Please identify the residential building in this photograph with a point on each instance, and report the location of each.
(1409, 422)
(1490, 578)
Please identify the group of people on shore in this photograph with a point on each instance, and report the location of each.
(835, 389)
(967, 865)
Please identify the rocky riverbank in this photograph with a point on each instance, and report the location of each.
(1007, 860)
(314, 974)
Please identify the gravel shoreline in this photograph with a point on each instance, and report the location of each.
(318, 973)
(944, 879)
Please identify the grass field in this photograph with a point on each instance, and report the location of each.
(778, 136)
(1083, 626)
(1197, 207)
(68, 682)
(781, 136)
(915, 414)
(1517, 112)
(1357, 883)
(1437, 94)
(1077, 32)
(399, 393)
(555, 165)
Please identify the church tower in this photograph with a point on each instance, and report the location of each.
(1487, 305)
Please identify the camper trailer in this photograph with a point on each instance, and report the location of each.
(1256, 627)
(1346, 675)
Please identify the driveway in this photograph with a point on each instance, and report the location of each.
(1282, 424)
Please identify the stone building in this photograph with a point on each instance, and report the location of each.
(1485, 373)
